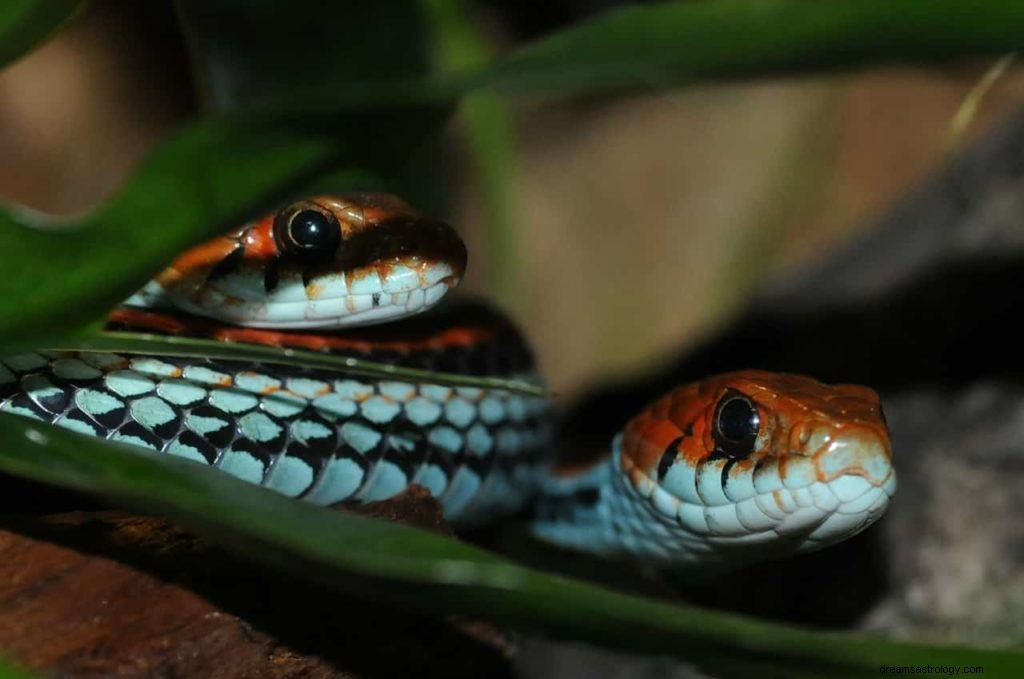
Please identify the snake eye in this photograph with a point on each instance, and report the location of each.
(736, 425)
(308, 235)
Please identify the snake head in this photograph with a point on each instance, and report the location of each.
(751, 465)
(328, 262)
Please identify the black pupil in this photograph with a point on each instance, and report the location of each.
(309, 230)
(737, 420)
(737, 423)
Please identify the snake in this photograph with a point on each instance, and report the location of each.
(735, 468)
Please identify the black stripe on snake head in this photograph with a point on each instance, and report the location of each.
(227, 265)
(669, 457)
(270, 276)
(725, 471)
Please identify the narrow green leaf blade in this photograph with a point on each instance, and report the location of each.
(167, 345)
(671, 43)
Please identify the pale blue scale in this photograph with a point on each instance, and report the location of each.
(709, 484)
(432, 478)
(387, 481)
(256, 383)
(180, 392)
(258, 427)
(463, 487)
(479, 441)
(334, 406)
(397, 391)
(76, 425)
(509, 439)
(201, 424)
(290, 476)
(151, 412)
(339, 479)
(155, 368)
(103, 361)
(233, 401)
(39, 387)
(26, 362)
(306, 388)
(305, 430)
(492, 410)
(360, 437)
(380, 410)
(446, 438)
(516, 408)
(402, 444)
(129, 383)
(131, 440)
(74, 369)
(436, 392)
(460, 412)
(472, 393)
(96, 402)
(681, 481)
(422, 412)
(241, 464)
(188, 452)
(8, 407)
(283, 404)
(353, 390)
(202, 375)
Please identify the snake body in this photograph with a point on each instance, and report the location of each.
(735, 468)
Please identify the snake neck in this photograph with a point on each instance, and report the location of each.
(598, 511)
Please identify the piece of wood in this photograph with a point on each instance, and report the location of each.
(112, 594)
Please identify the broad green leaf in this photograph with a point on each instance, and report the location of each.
(26, 23)
(211, 175)
(244, 51)
(405, 567)
(306, 62)
(671, 43)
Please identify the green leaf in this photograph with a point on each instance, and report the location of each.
(405, 567)
(165, 345)
(671, 43)
(10, 670)
(245, 51)
(207, 177)
(25, 23)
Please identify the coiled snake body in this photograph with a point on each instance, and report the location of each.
(738, 467)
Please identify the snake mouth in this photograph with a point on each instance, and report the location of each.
(328, 300)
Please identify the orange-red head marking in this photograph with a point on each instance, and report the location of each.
(329, 261)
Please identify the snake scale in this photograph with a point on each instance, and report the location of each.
(735, 468)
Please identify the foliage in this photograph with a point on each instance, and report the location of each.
(352, 97)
